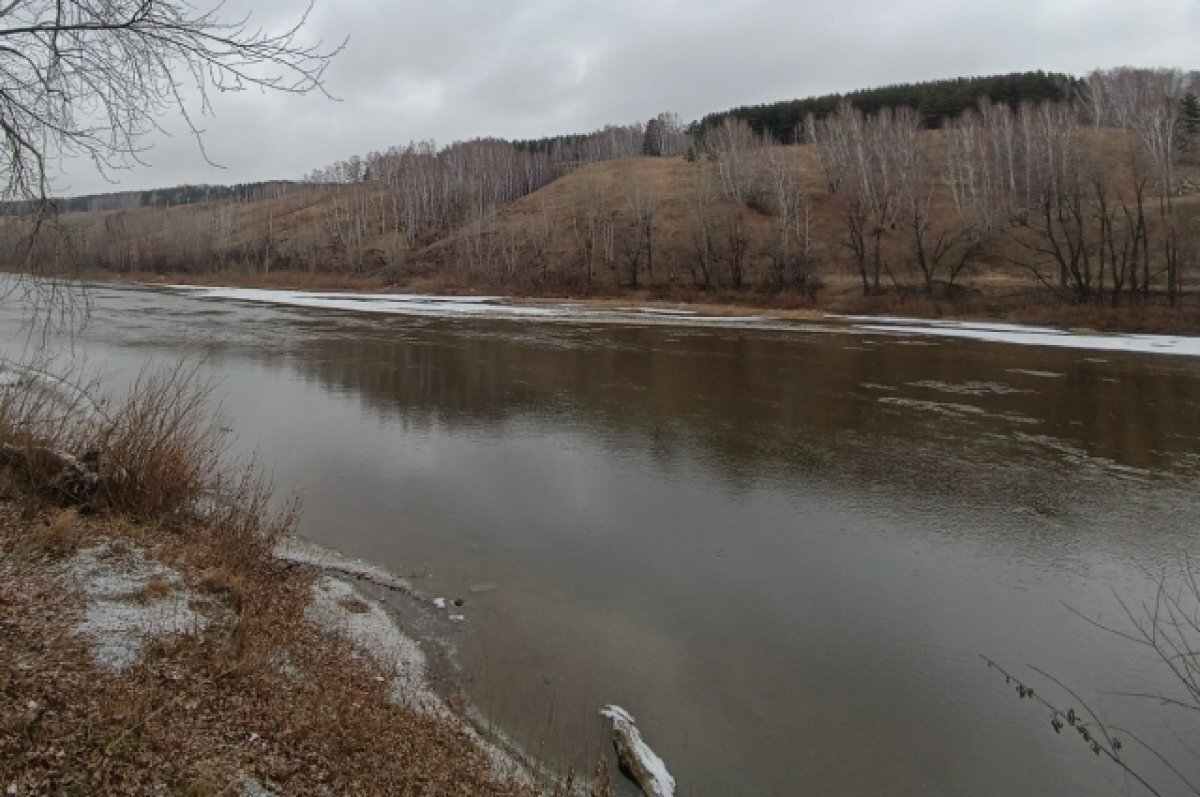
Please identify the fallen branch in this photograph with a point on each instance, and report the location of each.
(68, 477)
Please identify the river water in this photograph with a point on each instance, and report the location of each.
(783, 549)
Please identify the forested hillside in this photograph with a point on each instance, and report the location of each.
(1081, 190)
(937, 101)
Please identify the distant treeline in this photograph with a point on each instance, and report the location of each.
(666, 134)
(165, 197)
(935, 100)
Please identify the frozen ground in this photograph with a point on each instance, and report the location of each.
(131, 599)
(337, 606)
(340, 607)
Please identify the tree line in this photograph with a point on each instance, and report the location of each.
(936, 101)
(161, 197)
(1037, 187)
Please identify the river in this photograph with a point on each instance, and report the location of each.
(783, 548)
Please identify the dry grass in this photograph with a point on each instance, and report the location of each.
(157, 453)
(58, 535)
(259, 693)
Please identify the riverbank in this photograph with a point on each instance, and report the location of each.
(155, 637)
(992, 299)
(136, 660)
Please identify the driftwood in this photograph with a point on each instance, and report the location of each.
(69, 478)
(636, 757)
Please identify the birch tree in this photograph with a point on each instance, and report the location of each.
(733, 143)
(790, 254)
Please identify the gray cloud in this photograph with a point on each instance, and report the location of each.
(458, 69)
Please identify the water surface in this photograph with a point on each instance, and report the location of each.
(783, 550)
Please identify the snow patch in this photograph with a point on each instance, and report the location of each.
(337, 606)
(123, 612)
(253, 787)
(302, 552)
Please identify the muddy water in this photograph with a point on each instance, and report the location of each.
(782, 550)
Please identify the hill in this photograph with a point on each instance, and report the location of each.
(1083, 203)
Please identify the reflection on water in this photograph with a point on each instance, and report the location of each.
(783, 552)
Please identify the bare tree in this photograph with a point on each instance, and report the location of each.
(1166, 626)
(639, 241)
(592, 225)
(980, 168)
(793, 217)
(833, 149)
(739, 242)
(733, 143)
(90, 77)
(859, 156)
(665, 136)
(704, 195)
(1158, 122)
(941, 245)
(1053, 226)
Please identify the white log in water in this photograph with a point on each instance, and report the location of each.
(647, 769)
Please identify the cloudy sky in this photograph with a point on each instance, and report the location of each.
(458, 69)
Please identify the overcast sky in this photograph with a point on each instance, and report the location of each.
(457, 69)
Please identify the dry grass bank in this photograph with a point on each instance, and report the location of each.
(121, 505)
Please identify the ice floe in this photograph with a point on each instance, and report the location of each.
(1030, 336)
(394, 303)
(499, 307)
(457, 306)
(973, 388)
